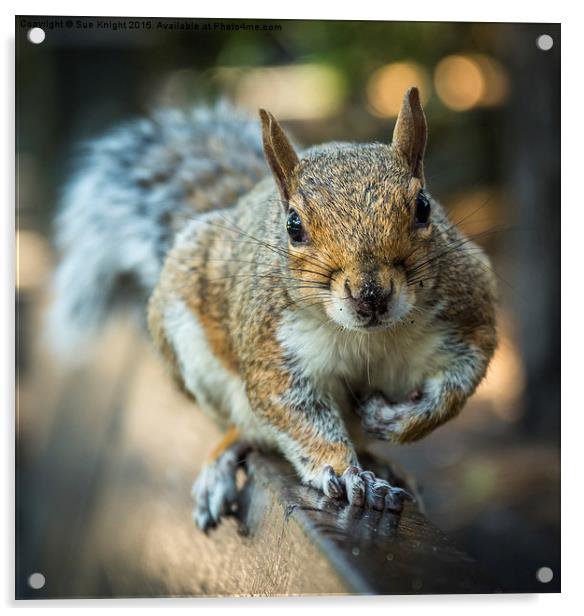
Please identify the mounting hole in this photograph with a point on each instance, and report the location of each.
(36, 581)
(545, 42)
(544, 575)
(36, 36)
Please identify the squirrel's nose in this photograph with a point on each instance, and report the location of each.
(371, 299)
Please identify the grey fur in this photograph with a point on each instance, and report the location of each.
(134, 189)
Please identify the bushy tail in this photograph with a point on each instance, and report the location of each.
(109, 254)
(135, 188)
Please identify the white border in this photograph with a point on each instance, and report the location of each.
(573, 422)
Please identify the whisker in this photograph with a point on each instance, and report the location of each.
(456, 245)
(276, 249)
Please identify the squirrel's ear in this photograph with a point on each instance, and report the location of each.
(279, 153)
(410, 132)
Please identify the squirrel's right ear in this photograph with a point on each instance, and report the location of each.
(279, 153)
(410, 132)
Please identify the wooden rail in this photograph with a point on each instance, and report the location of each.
(320, 546)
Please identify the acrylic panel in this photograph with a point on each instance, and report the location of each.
(352, 349)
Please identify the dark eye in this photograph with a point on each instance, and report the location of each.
(422, 210)
(295, 228)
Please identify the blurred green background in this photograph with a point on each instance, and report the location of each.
(491, 96)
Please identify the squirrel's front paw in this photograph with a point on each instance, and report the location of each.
(360, 488)
(390, 421)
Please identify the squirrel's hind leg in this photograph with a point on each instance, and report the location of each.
(215, 489)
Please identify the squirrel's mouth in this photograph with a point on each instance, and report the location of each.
(355, 317)
(376, 324)
(373, 322)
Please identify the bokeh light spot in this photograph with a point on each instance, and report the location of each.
(459, 82)
(387, 85)
(33, 259)
(297, 92)
(496, 81)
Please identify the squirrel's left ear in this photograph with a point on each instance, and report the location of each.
(279, 153)
(410, 132)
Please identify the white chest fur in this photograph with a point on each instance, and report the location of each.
(392, 361)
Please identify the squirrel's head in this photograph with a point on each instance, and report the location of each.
(358, 222)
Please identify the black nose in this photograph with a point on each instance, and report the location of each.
(371, 300)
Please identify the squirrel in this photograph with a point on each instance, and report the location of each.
(303, 309)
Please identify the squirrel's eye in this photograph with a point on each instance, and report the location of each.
(295, 228)
(422, 210)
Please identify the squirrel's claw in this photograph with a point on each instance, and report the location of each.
(331, 484)
(355, 487)
(376, 490)
(362, 489)
(382, 495)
